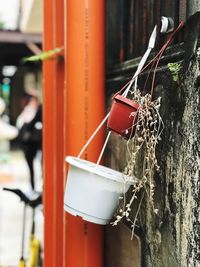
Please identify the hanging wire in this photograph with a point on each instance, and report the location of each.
(139, 70)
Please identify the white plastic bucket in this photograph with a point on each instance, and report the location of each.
(93, 191)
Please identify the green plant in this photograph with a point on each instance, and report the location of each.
(175, 70)
(46, 55)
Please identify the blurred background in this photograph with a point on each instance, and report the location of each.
(20, 37)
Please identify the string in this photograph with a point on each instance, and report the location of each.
(149, 72)
(104, 146)
(153, 60)
(93, 135)
(129, 84)
(180, 26)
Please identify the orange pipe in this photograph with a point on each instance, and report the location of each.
(84, 111)
(58, 86)
(49, 163)
(53, 135)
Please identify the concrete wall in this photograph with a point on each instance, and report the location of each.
(169, 237)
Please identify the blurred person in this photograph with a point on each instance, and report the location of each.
(29, 123)
(7, 131)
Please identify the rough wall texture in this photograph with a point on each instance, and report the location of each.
(193, 6)
(172, 236)
(116, 243)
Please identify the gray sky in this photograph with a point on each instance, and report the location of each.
(9, 13)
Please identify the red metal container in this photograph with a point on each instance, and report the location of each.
(123, 116)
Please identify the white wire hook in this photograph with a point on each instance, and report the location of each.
(167, 25)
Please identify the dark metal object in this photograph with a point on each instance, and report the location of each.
(32, 200)
(13, 46)
(137, 19)
(18, 37)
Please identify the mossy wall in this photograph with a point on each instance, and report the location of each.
(171, 237)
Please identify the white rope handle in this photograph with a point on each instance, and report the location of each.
(93, 135)
(142, 61)
(151, 44)
(104, 146)
(165, 27)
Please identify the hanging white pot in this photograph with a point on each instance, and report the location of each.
(93, 191)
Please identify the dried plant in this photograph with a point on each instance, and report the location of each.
(141, 154)
(147, 128)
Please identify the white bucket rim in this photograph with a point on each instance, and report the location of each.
(99, 170)
(85, 216)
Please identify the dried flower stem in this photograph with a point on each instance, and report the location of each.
(141, 149)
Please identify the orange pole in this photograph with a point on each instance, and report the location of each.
(58, 29)
(48, 138)
(53, 88)
(84, 101)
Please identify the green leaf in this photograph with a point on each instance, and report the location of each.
(50, 54)
(174, 69)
